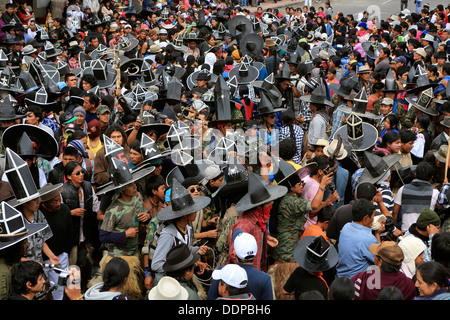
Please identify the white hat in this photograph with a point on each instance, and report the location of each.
(163, 31)
(245, 245)
(168, 288)
(127, 26)
(428, 37)
(211, 172)
(377, 221)
(232, 274)
(412, 247)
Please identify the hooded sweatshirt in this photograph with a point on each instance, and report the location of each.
(94, 293)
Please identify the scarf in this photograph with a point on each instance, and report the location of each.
(263, 217)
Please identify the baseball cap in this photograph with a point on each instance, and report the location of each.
(232, 274)
(245, 245)
(101, 109)
(211, 172)
(163, 31)
(387, 101)
(67, 117)
(401, 59)
(389, 251)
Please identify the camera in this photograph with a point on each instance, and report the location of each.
(67, 277)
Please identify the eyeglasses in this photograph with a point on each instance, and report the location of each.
(193, 189)
(271, 116)
(77, 173)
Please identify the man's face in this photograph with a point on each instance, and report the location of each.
(94, 43)
(130, 190)
(385, 109)
(407, 147)
(104, 118)
(87, 105)
(71, 82)
(53, 204)
(32, 119)
(67, 158)
(116, 136)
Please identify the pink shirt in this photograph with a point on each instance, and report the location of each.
(309, 192)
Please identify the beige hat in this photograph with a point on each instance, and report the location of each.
(323, 54)
(154, 48)
(168, 288)
(441, 154)
(328, 150)
(421, 52)
(387, 101)
(321, 143)
(364, 69)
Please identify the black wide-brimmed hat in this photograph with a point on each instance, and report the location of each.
(424, 102)
(103, 72)
(21, 180)
(266, 106)
(258, 193)
(7, 110)
(345, 88)
(359, 106)
(181, 203)
(180, 257)
(244, 73)
(376, 167)
(317, 96)
(14, 228)
(203, 74)
(315, 254)
(361, 135)
(239, 26)
(286, 175)
(251, 44)
(30, 140)
(122, 175)
(371, 48)
(268, 85)
(422, 82)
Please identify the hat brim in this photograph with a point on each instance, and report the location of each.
(368, 140)
(390, 160)
(41, 192)
(300, 256)
(111, 75)
(275, 191)
(48, 146)
(252, 75)
(429, 111)
(168, 213)
(33, 228)
(138, 174)
(194, 257)
(307, 98)
(366, 114)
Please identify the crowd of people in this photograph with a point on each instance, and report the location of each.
(194, 151)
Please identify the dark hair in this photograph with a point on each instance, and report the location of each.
(153, 183)
(287, 148)
(393, 120)
(115, 273)
(322, 163)
(70, 167)
(432, 271)
(37, 111)
(115, 127)
(233, 291)
(311, 295)
(407, 135)
(89, 78)
(366, 190)
(424, 171)
(342, 288)
(424, 120)
(362, 208)
(70, 151)
(389, 137)
(325, 214)
(390, 293)
(440, 248)
(93, 98)
(23, 272)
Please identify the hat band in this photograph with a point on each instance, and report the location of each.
(181, 203)
(7, 238)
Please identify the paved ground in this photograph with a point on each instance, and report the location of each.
(382, 8)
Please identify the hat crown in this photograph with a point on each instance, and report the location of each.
(112, 148)
(375, 164)
(354, 127)
(425, 98)
(180, 198)
(120, 172)
(257, 191)
(19, 176)
(12, 223)
(317, 250)
(360, 101)
(149, 148)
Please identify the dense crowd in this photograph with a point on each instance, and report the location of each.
(195, 151)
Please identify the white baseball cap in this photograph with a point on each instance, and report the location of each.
(232, 274)
(245, 245)
(211, 172)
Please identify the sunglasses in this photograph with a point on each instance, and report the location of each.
(271, 116)
(193, 189)
(77, 173)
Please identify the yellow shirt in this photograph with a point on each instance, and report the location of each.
(94, 151)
